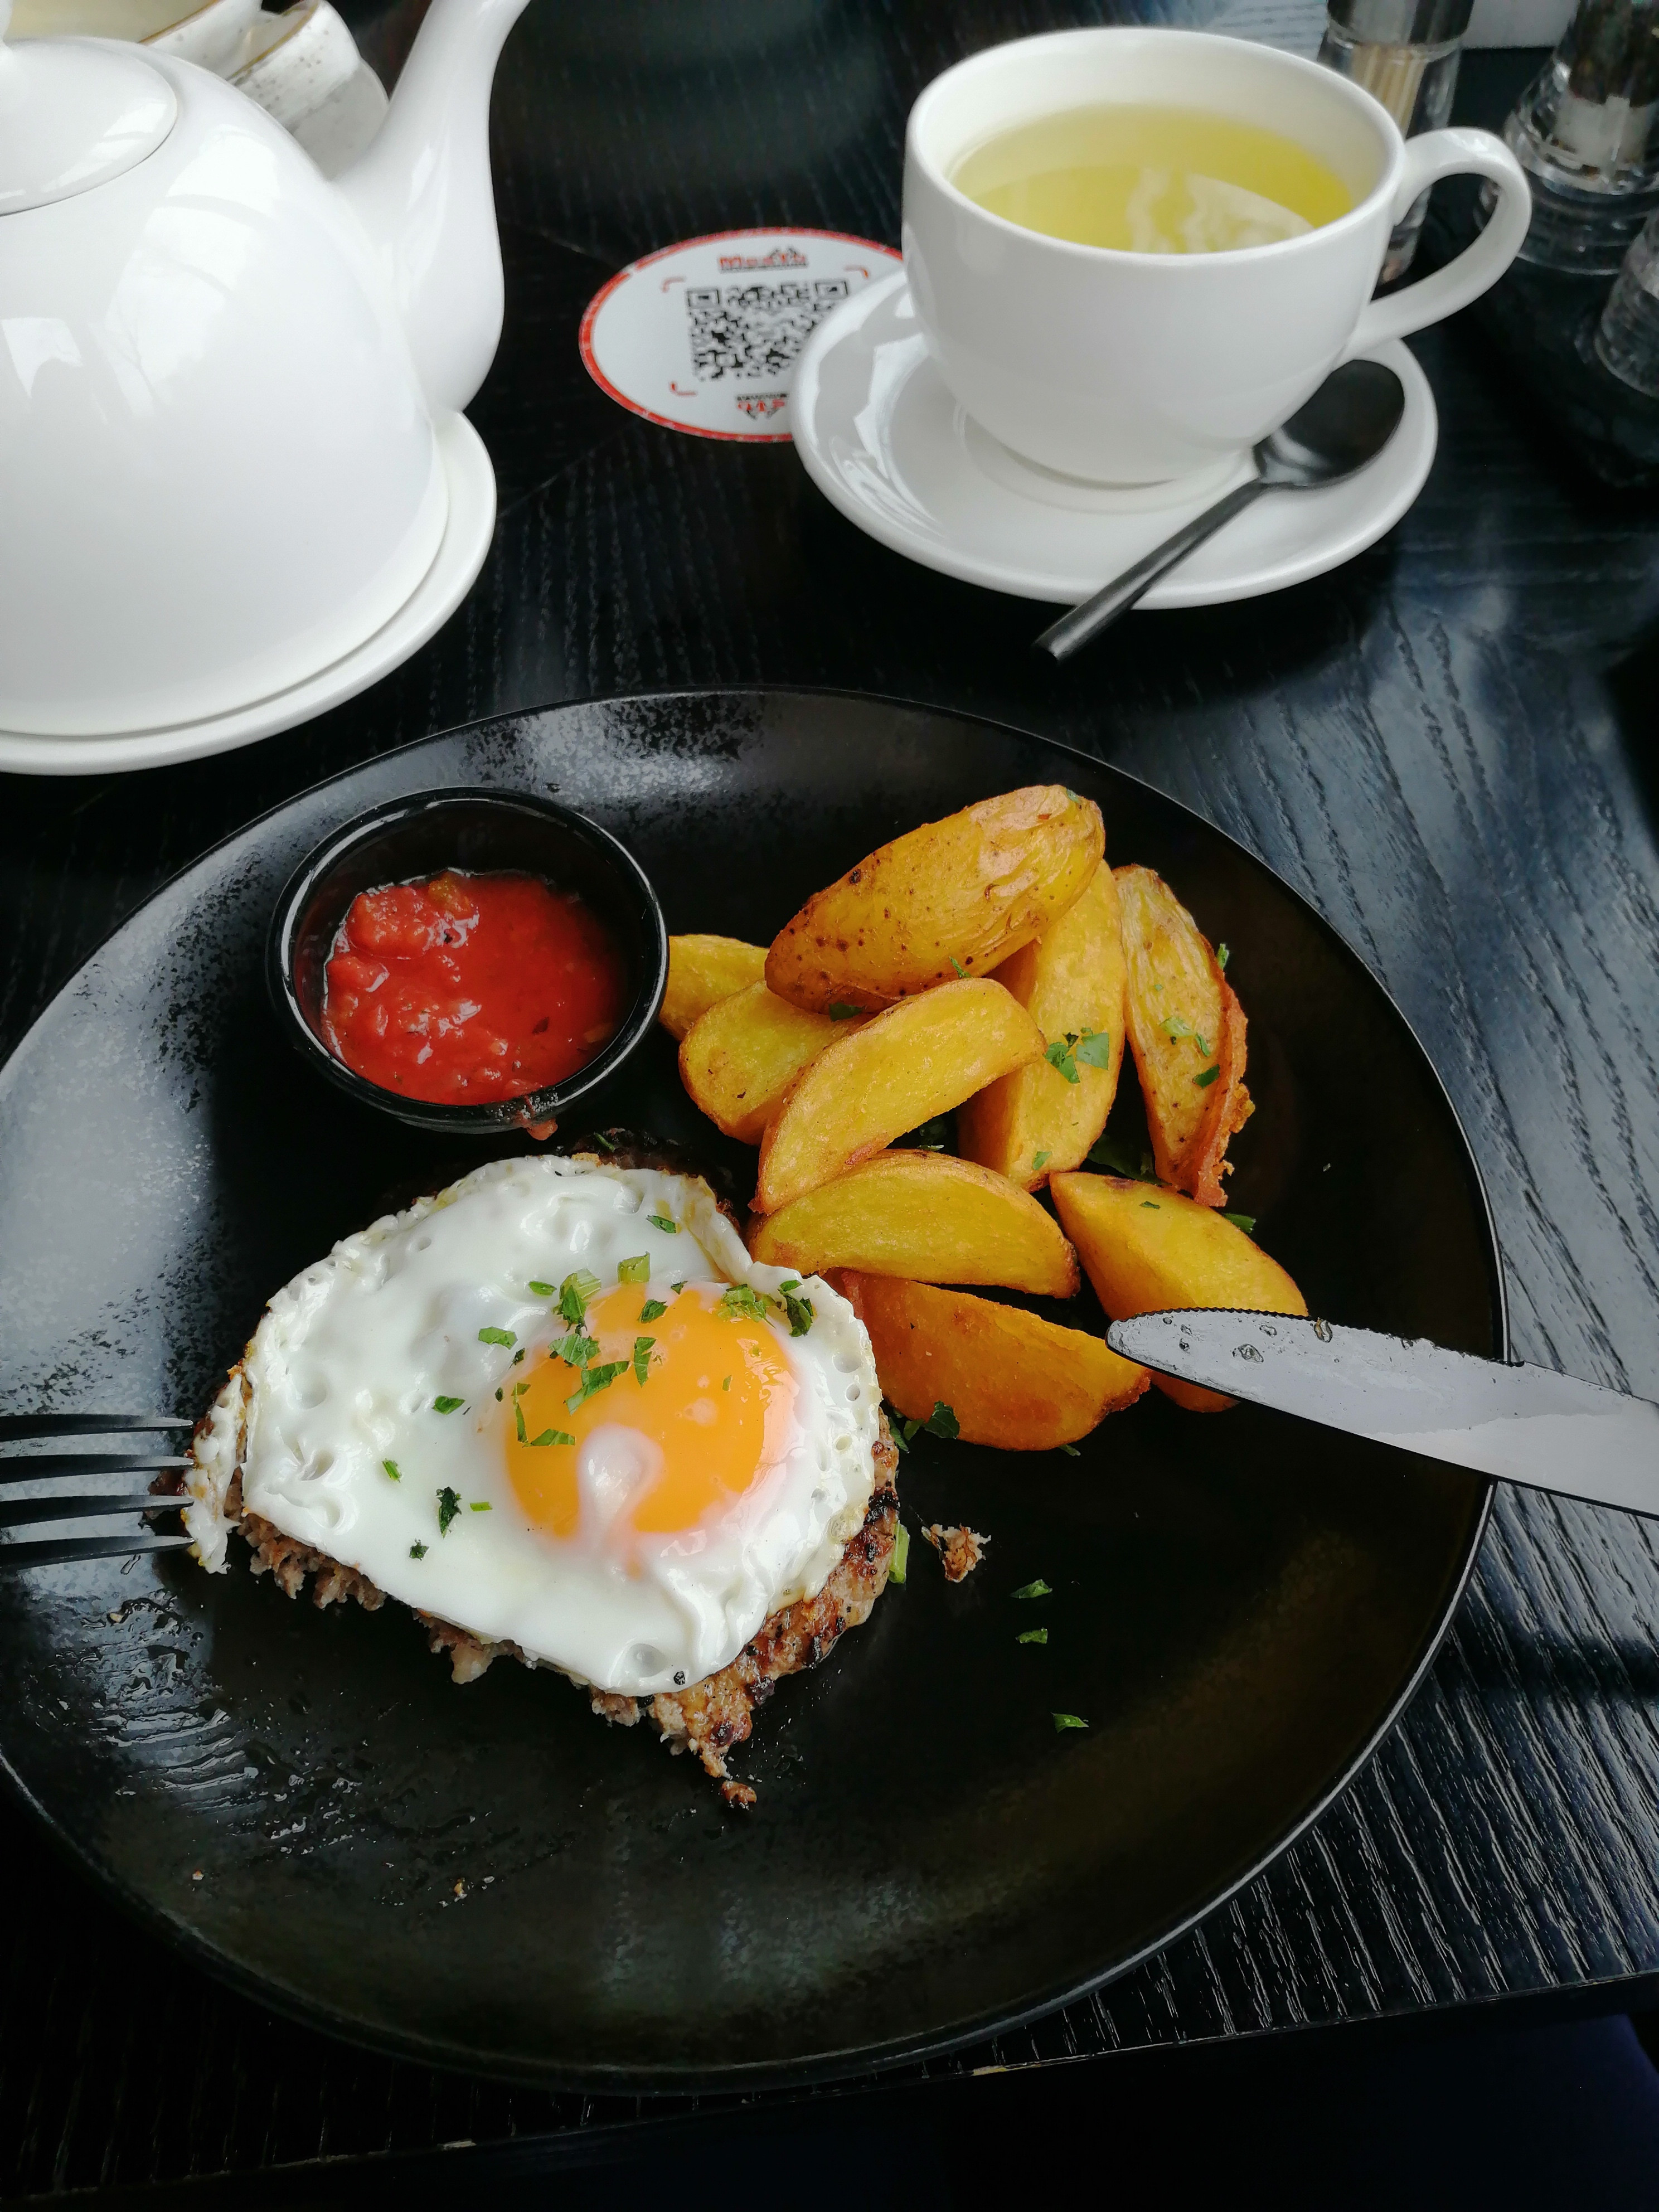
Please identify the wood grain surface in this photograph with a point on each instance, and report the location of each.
(1449, 747)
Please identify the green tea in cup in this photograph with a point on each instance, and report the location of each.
(1151, 179)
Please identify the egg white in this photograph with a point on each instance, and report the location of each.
(342, 1374)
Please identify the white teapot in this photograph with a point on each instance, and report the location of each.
(221, 375)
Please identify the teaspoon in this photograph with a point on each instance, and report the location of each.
(1347, 423)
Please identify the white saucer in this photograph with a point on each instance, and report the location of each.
(460, 555)
(884, 441)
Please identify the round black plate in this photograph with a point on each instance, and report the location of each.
(489, 1878)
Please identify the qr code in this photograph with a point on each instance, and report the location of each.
(755, 330)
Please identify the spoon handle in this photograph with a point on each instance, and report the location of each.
(1116, 599)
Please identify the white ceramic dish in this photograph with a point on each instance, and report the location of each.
(884, 441)
(460, 555)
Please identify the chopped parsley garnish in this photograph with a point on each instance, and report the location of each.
(1039, 1161)
(518, 1418)
(1208, 1077)
(1151, 1206)
(1108, 1153)
(1032, 1636)
(504, 1336)
(898, 1566)
(634, 1271)
(518, 1355)
(1244, 1221)
(574, 1292)
(1175, 1026)
(595, 1379)
(957, 965)
(498, 1397)
(552, 1437)
(741, 1302)
(447, 1405)
(652, 1309)
(599, 1138)
(1222, 955)
(840, 1011)
(1038, 1589)
(1070, 1450)
(449, 1505)
(661, 1221)
(481, 1505)
(519, 1390)
(1092, 1047)
(642, 1357)
(677, 1288)
(941, 1422)
(1064, 1720)
(417, 1551)
(726, 1384)
(543, 1290)
(798, 1309)
(576, 1349)
(392, 1469)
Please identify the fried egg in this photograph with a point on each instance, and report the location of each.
(556, 1406)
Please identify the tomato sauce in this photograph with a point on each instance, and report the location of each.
(467, 988)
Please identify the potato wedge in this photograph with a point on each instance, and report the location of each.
(1043, 1118)
(920, 1058)
(703, 971)
(739, 1059)
(1012, 1380)
(1187, 1033)
(953, 897)
(1148, 1249)
(923, 1215)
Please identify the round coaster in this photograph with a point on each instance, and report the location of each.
(704, 336)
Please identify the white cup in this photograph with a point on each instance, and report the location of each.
(1132, 368)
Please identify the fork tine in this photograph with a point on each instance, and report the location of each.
(13, 1425)
(34, 1467)
(18, 1512)
(30, 1552)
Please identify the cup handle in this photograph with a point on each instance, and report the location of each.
(1439, 153)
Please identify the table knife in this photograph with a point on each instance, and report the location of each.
(1525, 1425)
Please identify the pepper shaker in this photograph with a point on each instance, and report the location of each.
(1405, 53)
(1587, 133)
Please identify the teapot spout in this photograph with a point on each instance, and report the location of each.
(422, 192)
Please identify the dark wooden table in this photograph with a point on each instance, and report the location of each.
(1449, 746)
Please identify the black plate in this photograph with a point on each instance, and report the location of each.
(1241, 1604)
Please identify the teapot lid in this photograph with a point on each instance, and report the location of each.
(73, 113)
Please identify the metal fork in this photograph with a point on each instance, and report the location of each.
(43, 1507)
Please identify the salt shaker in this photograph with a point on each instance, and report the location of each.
(1405, 53)
(1587, 134)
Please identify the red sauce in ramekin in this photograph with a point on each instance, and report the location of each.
(467, 988)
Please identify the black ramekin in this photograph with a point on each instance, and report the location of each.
(411, 839)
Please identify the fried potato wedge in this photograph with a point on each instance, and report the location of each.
(1043, 1118)
(1012, 1380)
(920, 1058)
(702, 971)
(953, 897)
(1148, 1249)
(739, 1059)
(924, 1216)
(1187, 1033)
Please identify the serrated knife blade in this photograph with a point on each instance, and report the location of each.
(1525, 1425)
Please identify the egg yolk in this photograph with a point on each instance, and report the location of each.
(717, 1402)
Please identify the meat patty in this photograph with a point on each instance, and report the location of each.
(710, 1717)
